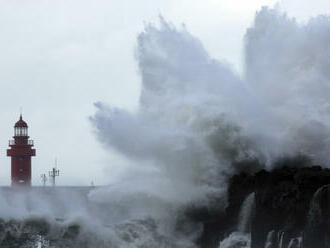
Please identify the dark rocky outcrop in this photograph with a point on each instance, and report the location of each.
(317, 231)
(283, 201)
(291, 203)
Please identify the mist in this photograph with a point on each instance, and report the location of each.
(199, 122)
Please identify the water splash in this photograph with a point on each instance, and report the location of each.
(271, 240)
(318, 222)
(280, 236)
(242, 237)
(295, 243)
(198, 120)
(276, 240)
(315, 215)
(236, 240)
(246, 212)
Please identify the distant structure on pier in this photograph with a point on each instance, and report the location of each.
(54, 173)
(43, 179)
(21, 152)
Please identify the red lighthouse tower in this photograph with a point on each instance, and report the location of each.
(21, 152)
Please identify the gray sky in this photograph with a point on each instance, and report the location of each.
(59, 57)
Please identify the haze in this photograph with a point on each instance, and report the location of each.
(59, 57)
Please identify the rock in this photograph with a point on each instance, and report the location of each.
(318, 225)
(285, 200)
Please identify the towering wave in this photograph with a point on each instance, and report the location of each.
(198, 121)
(184, 128)
(286, 68)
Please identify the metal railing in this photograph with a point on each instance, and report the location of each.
(13, 142)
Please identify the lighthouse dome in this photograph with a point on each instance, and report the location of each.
(21, 123)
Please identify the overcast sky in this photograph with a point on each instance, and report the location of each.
(59, 57)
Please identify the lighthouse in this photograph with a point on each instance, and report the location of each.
(21, 152)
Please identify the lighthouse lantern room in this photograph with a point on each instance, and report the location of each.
(21, 152)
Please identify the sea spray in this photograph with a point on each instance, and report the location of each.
(318, 222)
(295, 243)
(271, 240)
(236, 239)
(198, 121)
(245, 215)
(197, 124)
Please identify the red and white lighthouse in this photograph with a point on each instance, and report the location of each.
(21, 152)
